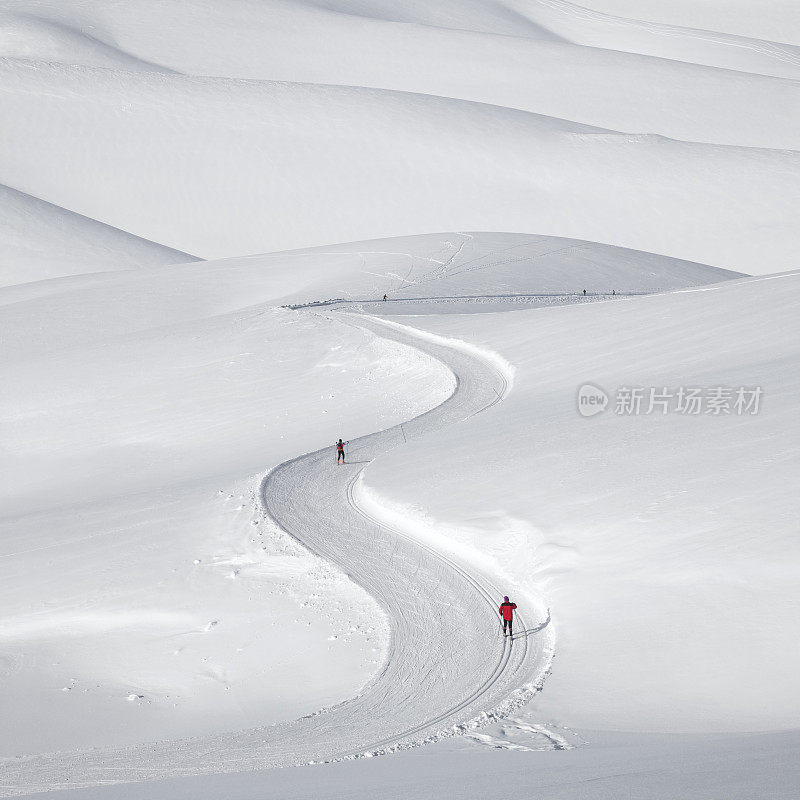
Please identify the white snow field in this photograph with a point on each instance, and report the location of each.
(665, 543)
(143, 401)
(40, 241)
(221, 249)
(440, 670)
(165, 606)
(778, 20)
(184, 381)
(444, 116)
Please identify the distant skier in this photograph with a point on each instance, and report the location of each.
(507, 613)
(340, 451)
(584, 292)
(384, 298)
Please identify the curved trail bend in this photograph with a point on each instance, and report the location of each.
(447, 662)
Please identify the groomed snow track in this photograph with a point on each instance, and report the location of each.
(448, 664)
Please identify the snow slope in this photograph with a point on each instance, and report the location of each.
(173, 386)
(499, 527)
(39, 241)
(477, 265)
(778, 20)
(441, 671)
(303, 178)
(143, 401)
(544, 74)
(665, 544)
(145, 596)
(29, 33)
(521, 117)
(656, 767)
(225, 37)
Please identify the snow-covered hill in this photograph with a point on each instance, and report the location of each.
(135, 408)
(39, 241)
(238, 167)
(441, 120)
(183, 380)
(664, 540)
(778, 20)
(135, 584)
(187, 590)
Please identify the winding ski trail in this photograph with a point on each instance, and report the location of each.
(447, 664)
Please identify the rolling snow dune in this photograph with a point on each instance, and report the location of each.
(265, 156)
(239, 166)
(442, 673)
(174, 33)
(665, 544)
(111, 341)
(594, 85)
(594, 29)
(25, 35)
(189, 585)
(778, 20)
(467, 264)
(143, 401)
(126, 464)
(39, 241)
(170, 635)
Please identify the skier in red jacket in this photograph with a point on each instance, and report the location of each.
(507, 613)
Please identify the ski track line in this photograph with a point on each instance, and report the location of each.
(448, 668)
